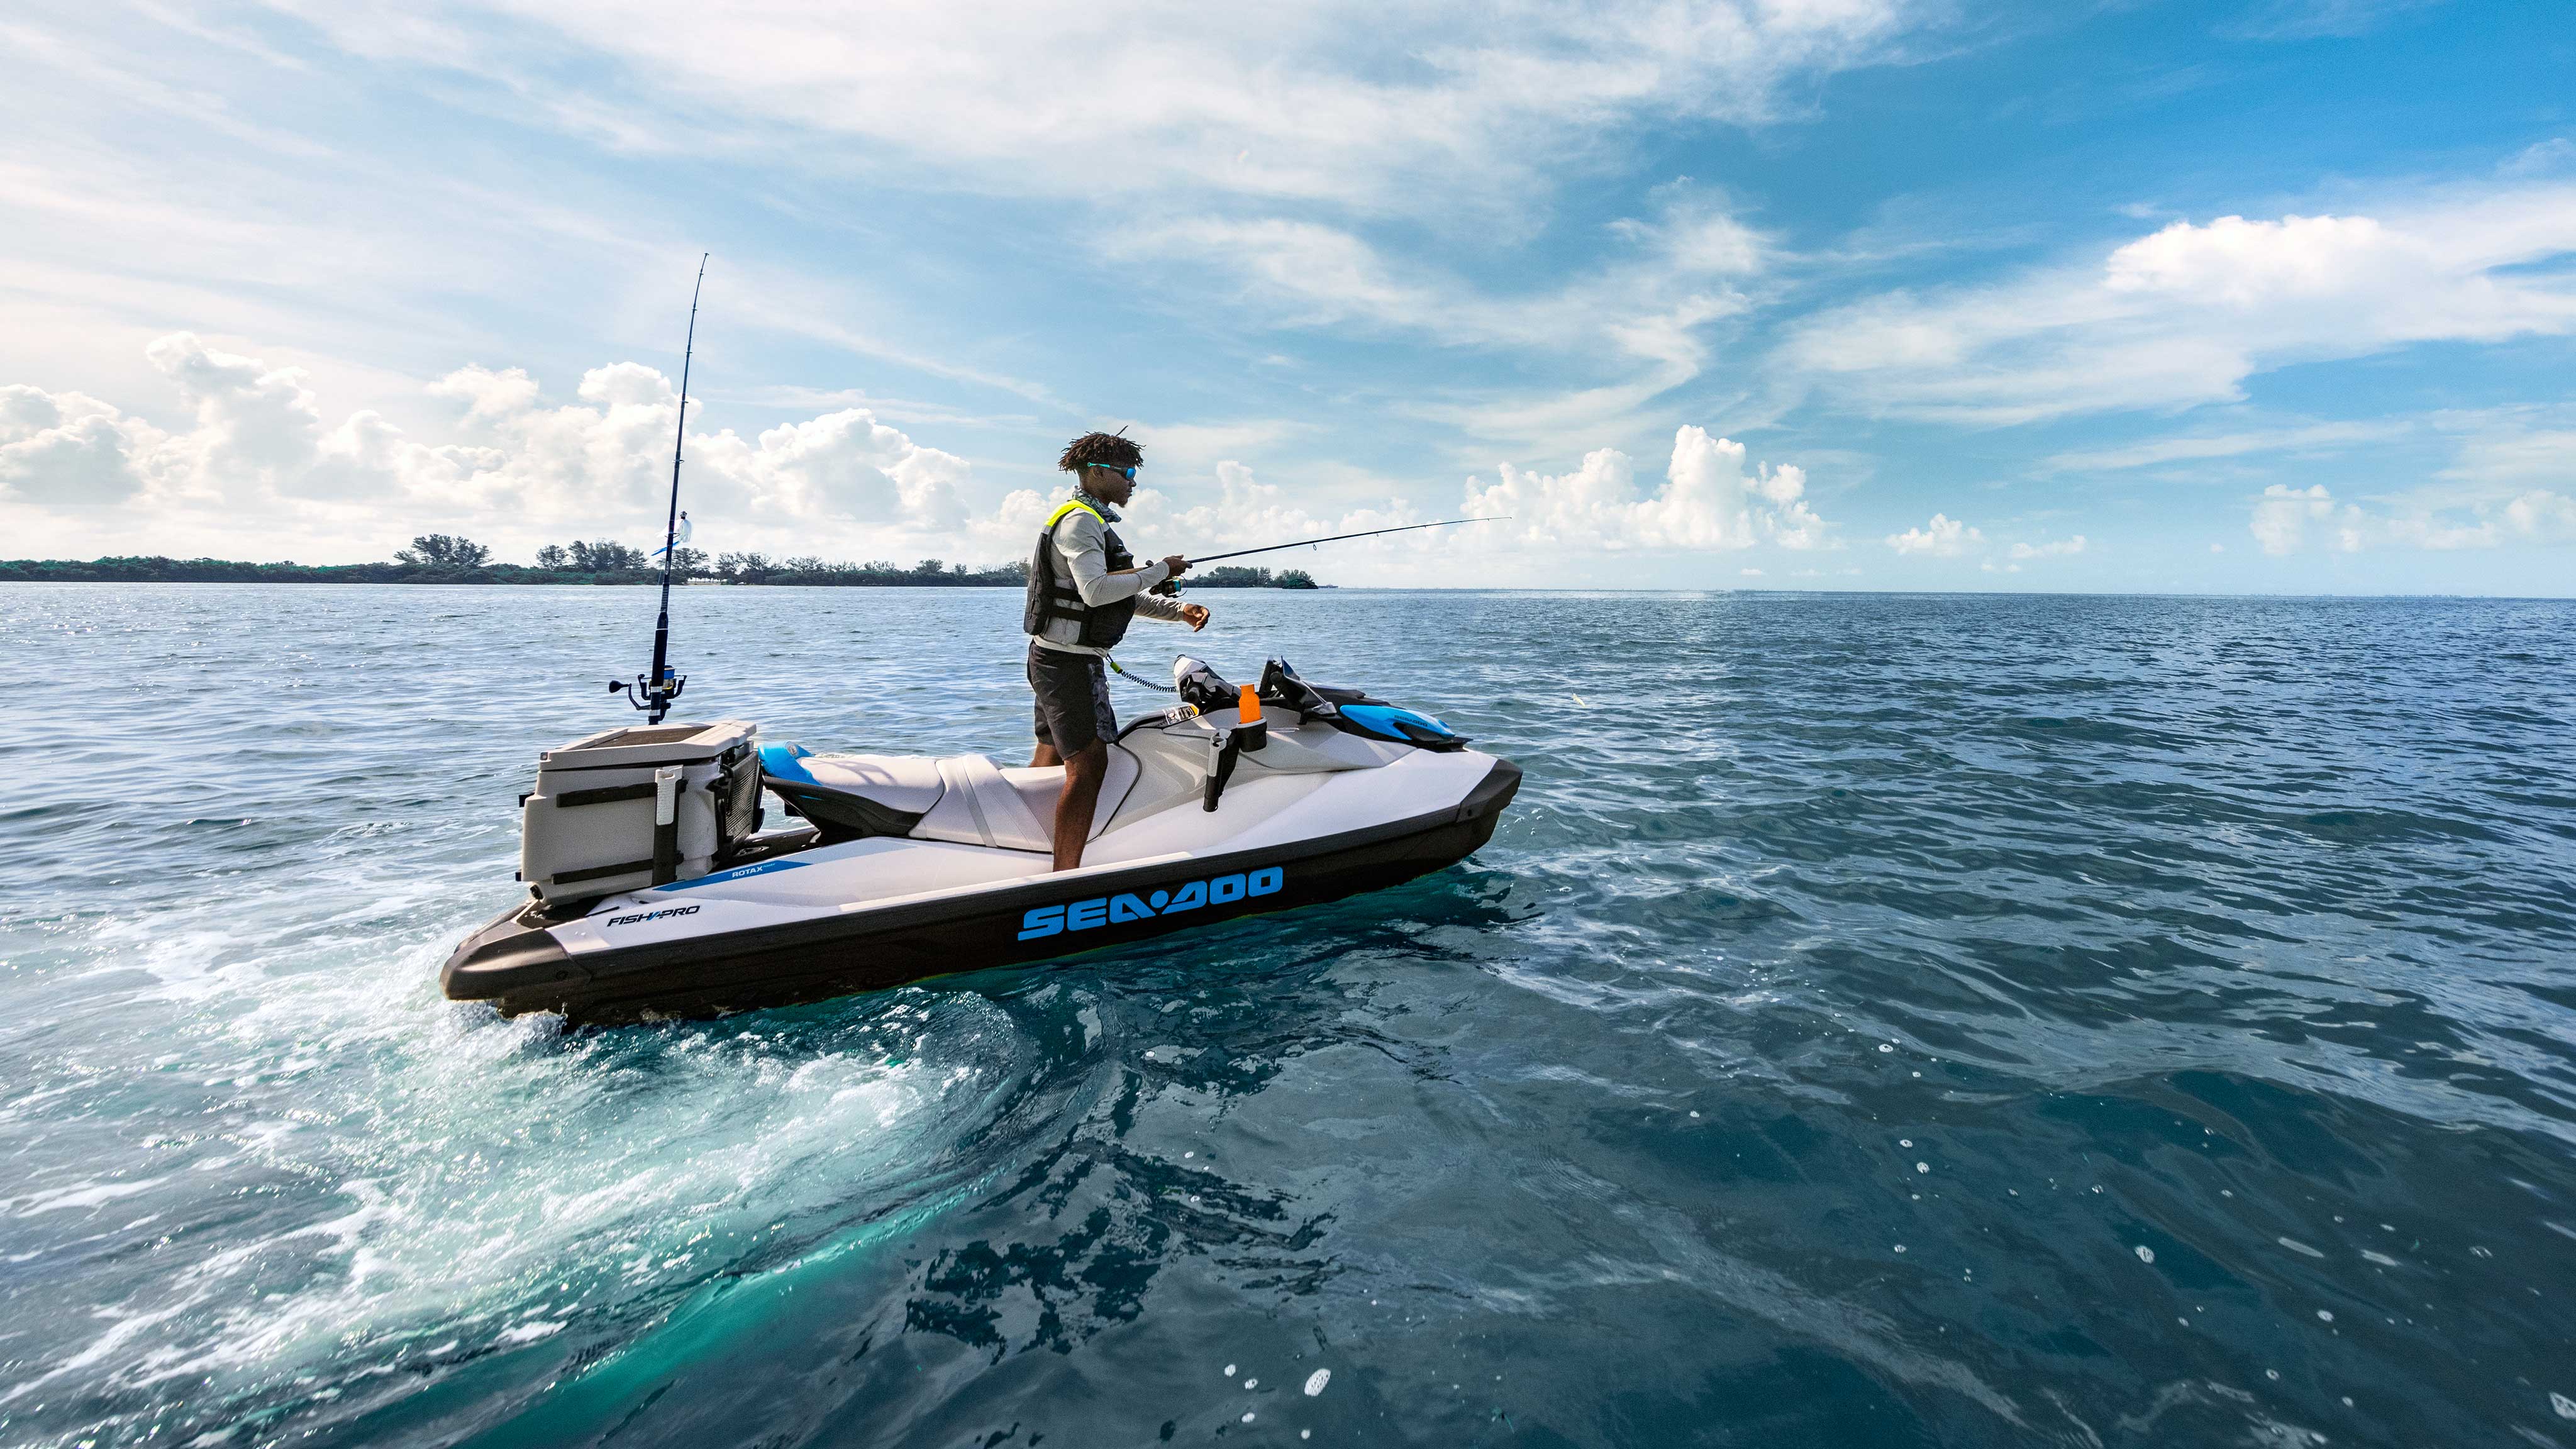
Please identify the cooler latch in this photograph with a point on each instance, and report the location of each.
(666, 824)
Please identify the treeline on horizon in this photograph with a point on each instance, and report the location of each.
(438, 558)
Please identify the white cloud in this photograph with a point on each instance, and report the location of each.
(65, 449)
(2508, 451)
(257, 427)
(2289, 520)
(2553, 157)
(1677, 274)
(2543, 516)
(259, 467)
(1177, 446)
(2428, 529)
(1386, 108)
(2315, 19)
(141, 195)
(1647, 311)
(2309, 438)
(1246, 513)
(1943, 537)
(843, 465)
(257, 439)
(2286, 517)
(2058, 548)
(2184, 315)
(259, 454)
(1708, 501)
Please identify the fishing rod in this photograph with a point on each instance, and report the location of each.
(1168, 585)
(656, 690)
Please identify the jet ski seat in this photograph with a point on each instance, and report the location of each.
(851, 796)
(1014, 809)
(979, 807)
(960, 798)
(1040, 788)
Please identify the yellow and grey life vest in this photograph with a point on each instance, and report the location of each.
(1053, 596)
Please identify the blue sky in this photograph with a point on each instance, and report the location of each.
(1809, 293)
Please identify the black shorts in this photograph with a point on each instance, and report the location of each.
(1073, 700)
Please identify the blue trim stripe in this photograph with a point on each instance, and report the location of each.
(738, 873)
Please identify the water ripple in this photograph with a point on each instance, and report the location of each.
(1982, 1020)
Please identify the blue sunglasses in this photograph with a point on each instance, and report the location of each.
(1130, 472)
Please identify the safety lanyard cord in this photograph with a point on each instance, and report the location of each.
(1132, 679)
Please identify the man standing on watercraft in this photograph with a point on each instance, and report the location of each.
(1083, 588)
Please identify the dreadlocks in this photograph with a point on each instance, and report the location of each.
(1109, 450)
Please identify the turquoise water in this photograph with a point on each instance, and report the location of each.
(1880, 1020)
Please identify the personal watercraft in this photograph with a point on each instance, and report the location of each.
(657, 894)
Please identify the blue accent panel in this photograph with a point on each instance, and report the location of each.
(1380, 719)
(782, 761)
(738, 873)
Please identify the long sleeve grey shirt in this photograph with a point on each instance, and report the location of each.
(1083, 553)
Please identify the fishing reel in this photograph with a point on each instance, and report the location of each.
(644, 694)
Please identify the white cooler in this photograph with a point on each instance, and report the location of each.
(638, 807)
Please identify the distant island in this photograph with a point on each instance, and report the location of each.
(439, 558)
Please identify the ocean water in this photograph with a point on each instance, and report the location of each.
(1881, 1020)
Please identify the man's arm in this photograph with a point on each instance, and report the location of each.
(1164, 607)
(1078, 542)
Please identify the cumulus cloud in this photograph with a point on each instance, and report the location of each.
(258, 441)
(2184, 315)
(259, 446)
(2285, 518)
(2543, 517)
(1709, 500)
(259, 459)
(257, 434)
(1943, 537)
(1248, 511)
(844, 465)
(65, 449)
(2289, 520)
(257, 427)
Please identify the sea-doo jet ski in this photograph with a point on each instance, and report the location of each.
(656, 893)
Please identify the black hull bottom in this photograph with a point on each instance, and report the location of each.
(515, 965)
